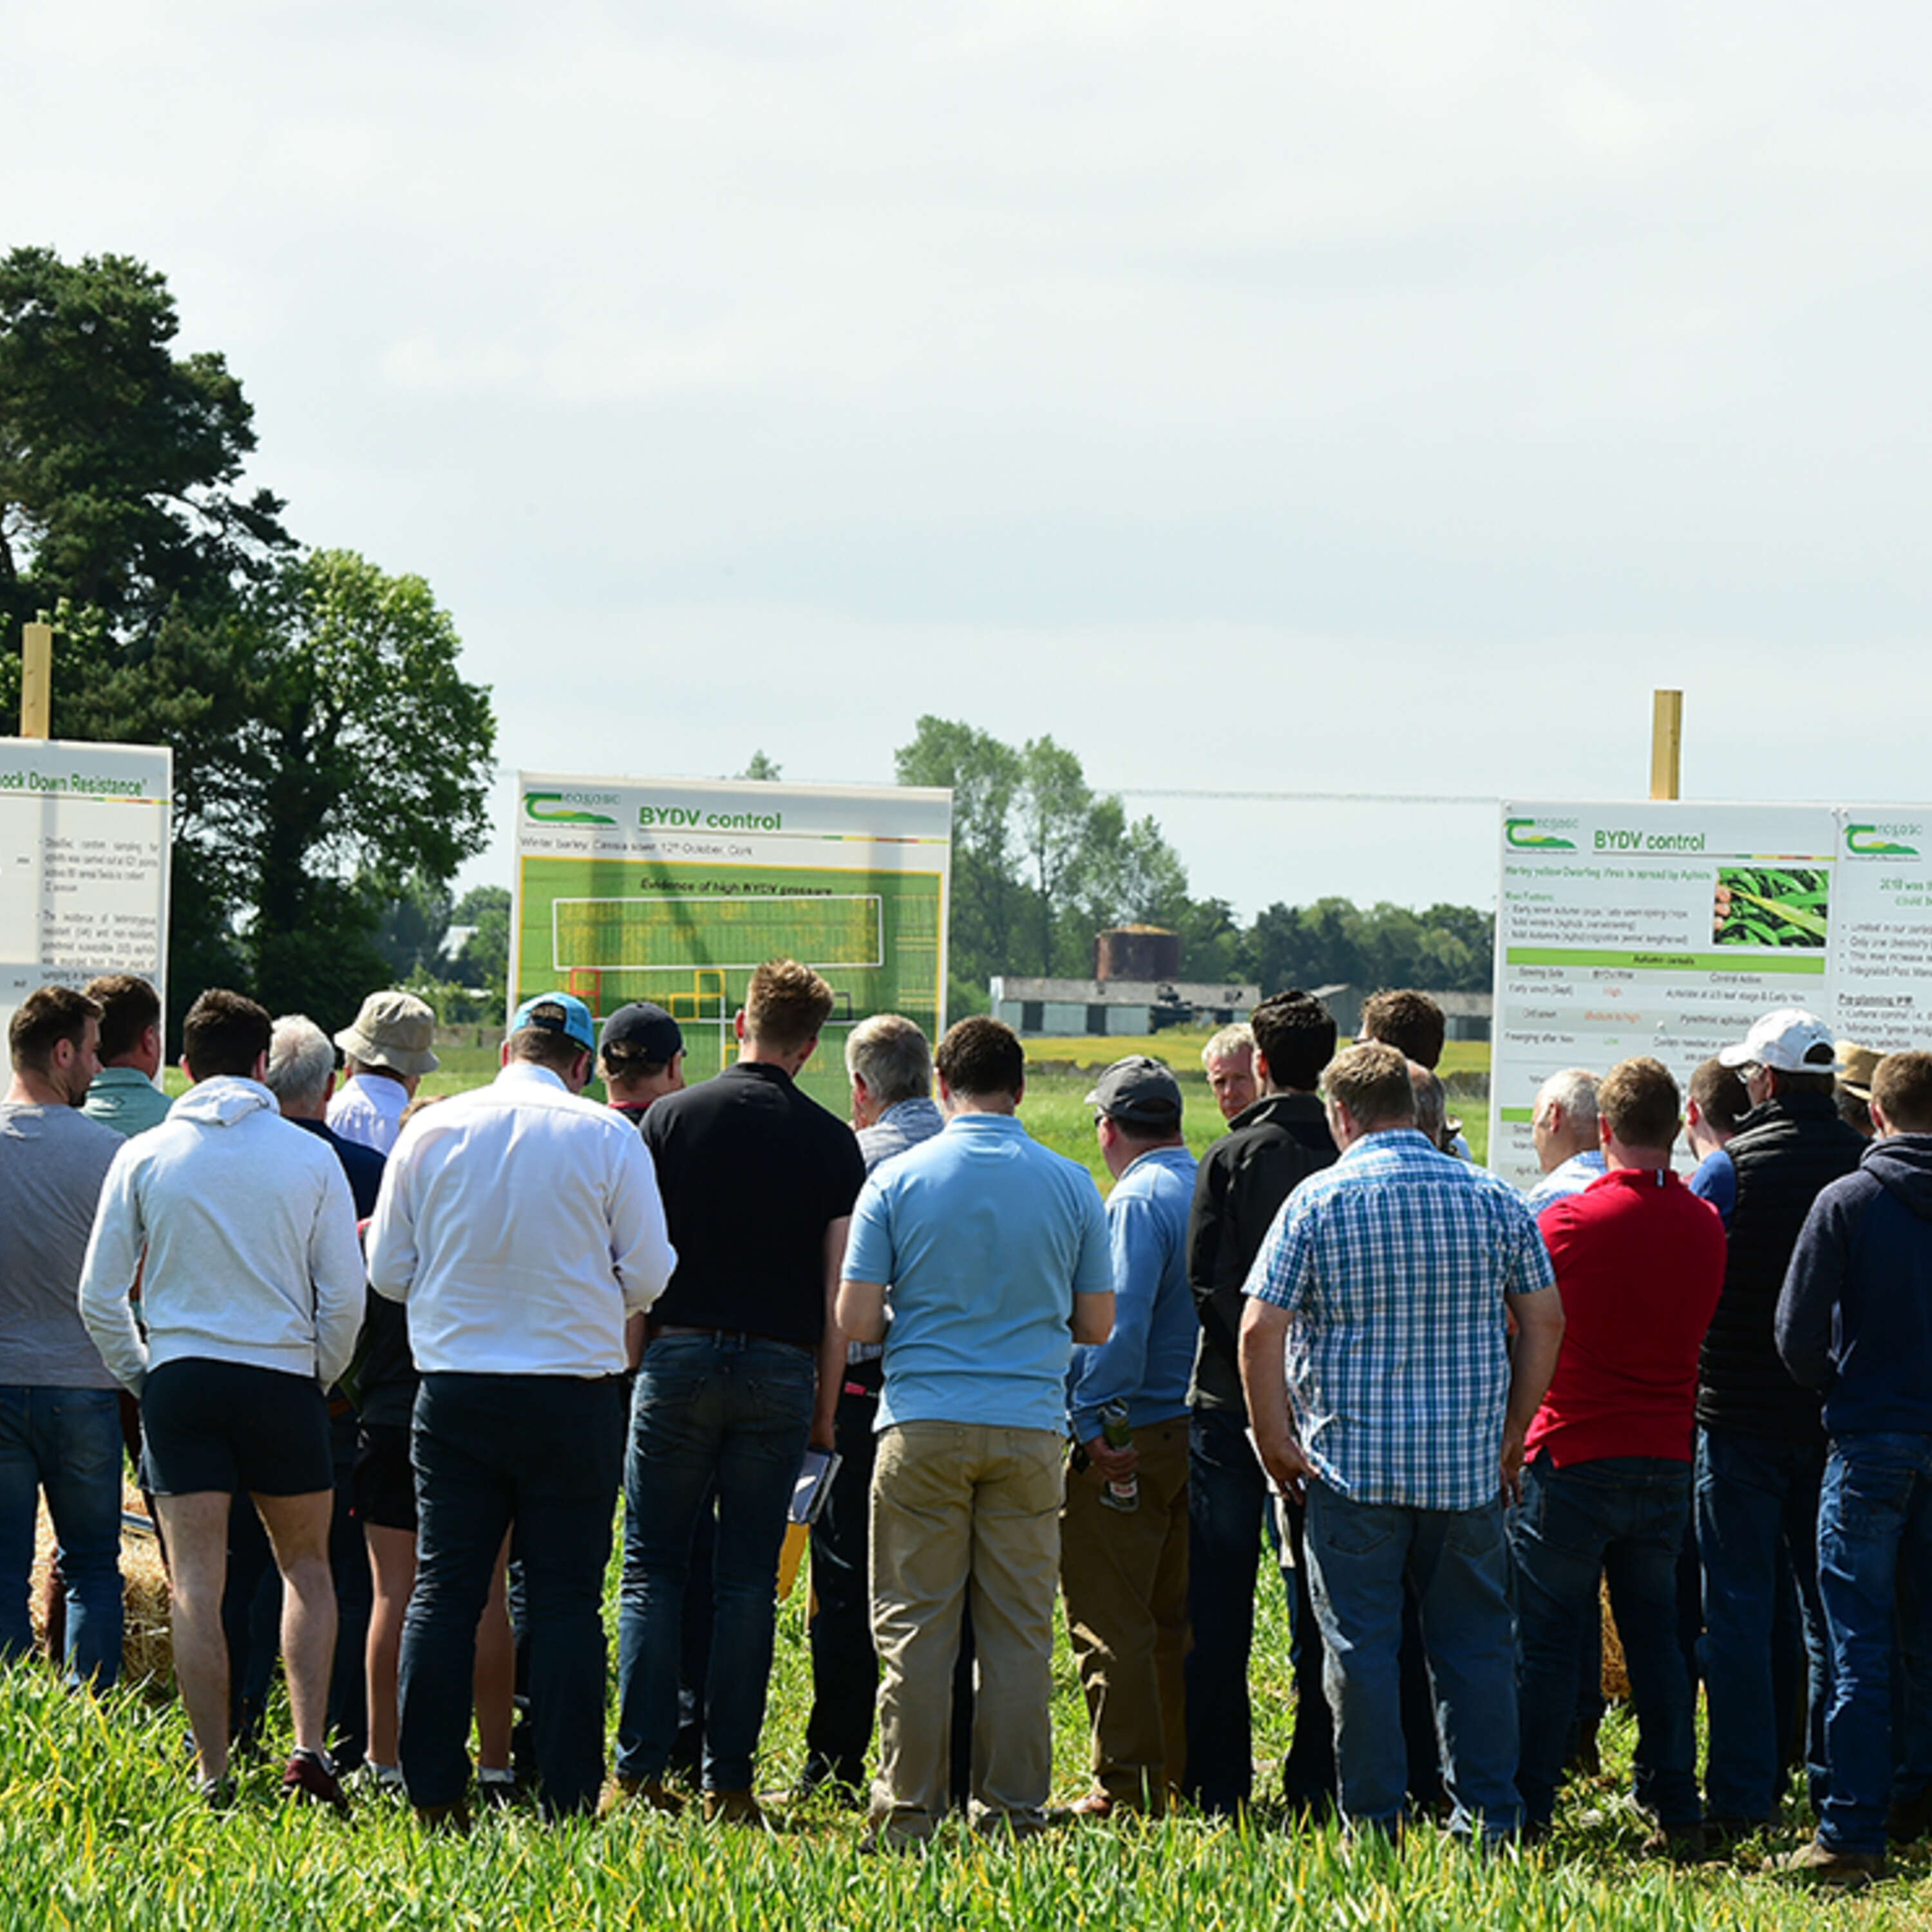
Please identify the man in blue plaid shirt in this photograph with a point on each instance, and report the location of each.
(1377, 1321)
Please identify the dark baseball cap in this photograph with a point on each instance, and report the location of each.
(642, 1031)
(1141, 1091)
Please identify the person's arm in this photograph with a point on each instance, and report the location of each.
(1538, 1316)
(642, 1257)
(861, 1310)
(1208, 1233)
(1277, 1286)
(1114, 1371)
(1092, 1317)
(1265, 1385)
(335, 1269)
(831, 1344)
(1813, 1285)
(109, 1270)
(391, 1247)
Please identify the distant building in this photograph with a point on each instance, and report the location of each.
(1465, 1015)
(1061, 1008)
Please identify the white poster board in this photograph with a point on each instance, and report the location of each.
(1667, 928)
(673, 889)
(84, 843)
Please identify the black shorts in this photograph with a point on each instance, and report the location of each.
(230, 1426)
(385, 1485)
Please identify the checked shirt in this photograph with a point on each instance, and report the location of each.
(1393, 1265)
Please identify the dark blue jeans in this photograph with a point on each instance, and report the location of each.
(1875, 1577)
(66, 1441)
(732, 1411)
(1624, 1517)
(1456, 1561)
(1756, 1495)
(542, 1453)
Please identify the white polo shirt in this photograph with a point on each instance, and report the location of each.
(369, 1110)
(521, 1225)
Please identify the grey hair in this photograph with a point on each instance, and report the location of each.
(1432, 1102)
(1230, 1040)
(301, 1059)
(1574, 1089)
(893, 1056)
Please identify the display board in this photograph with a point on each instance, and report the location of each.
(674, 890)
(1667, 928)
(84, 832)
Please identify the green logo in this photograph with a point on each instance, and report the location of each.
(1868, 842)
(535, 804)
(1530, 839)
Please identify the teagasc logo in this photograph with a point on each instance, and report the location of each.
(1876, 841)
(560, 807)
(1522, 833)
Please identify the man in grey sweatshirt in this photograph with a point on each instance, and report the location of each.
(251, 1290)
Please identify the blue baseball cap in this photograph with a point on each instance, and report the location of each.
(558, 1012)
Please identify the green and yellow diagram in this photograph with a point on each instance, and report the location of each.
(682, 917)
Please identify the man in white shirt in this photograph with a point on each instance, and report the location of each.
(240, 1228)
(521, 1225)
(384, 1054)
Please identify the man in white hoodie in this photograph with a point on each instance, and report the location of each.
(251, 1290)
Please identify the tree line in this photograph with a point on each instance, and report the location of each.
(1041, 862)
(326, 746)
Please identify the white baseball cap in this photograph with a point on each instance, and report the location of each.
(1788, 1041)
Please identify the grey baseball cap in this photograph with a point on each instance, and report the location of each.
(1141, 1091)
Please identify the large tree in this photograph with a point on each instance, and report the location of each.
(365, 756)
(119, 461)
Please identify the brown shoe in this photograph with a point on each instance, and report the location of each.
(1825, 1864)
(734, 1807)
(649, 1794)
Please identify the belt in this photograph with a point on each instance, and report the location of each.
(729, 1335)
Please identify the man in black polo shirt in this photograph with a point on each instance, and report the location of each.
(1276, 1143)
(743, 1365)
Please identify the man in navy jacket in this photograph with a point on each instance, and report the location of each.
(1855, 1321)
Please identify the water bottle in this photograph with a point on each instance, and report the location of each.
(1125, 1495)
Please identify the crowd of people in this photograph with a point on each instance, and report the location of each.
(389, 1362)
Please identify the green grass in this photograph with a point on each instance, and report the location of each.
(99, 1826)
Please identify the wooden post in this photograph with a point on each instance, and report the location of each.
(37, 683)
(1667, 742)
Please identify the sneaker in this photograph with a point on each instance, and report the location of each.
(1825, 1864)
(309, 1775)
(734, 1807)
(374, 1776)
(822, 1780)
(216, 1793)
(650, 1794)
(496, 1786)
(451, 1819)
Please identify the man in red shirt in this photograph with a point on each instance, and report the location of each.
(1607, 1486)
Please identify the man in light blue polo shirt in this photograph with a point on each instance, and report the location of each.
(990, 1254)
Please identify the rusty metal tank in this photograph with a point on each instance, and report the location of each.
(1137, 953)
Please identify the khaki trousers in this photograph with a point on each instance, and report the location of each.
(960, 1507)
(1125, 1576)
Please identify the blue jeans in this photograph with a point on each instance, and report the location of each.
(1756, 1495)
(537, 1456)
(1875, 1577)
(734, 1411)
(68, 1442)
(1624, 1516)
(1457, 1562)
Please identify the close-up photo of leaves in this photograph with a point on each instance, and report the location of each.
(1770, 905)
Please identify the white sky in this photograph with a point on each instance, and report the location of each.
(1272, 396)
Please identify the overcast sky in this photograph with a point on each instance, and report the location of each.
(1341, 399)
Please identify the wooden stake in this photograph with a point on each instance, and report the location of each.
(1666, 743)
(37, 681)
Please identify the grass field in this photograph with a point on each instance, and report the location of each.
(98, 1825)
